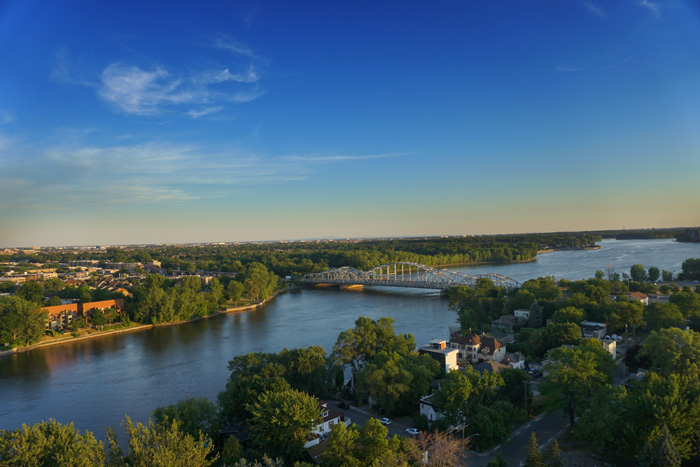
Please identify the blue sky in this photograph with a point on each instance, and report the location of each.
(153, 122)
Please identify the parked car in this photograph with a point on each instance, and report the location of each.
(343, 405)
(385, 421)
(413, 431)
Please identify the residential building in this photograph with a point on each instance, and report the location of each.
(505, 323)
(477, 348)
(592, 329)
(640, 297)
(446, 356)
(330, 417)
(610, 345)
(522, 315)
(428, 409)
(515, 360)
(490, 366)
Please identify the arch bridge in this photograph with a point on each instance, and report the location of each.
(404, 275)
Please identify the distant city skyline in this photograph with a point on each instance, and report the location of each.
(154, 122)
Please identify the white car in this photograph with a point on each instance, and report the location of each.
(385, 421)
(413, 431)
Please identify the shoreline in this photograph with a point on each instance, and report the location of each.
(140, 327)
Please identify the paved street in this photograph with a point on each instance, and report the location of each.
(546, 427)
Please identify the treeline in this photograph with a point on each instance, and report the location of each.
(161, 300)
(292, 258)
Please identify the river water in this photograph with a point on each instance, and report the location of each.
(96, 382)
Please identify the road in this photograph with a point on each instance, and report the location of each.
(546, 427)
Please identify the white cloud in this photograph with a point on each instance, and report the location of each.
(595, 9)
(196, 113)
(342, 158)
(137, 91)
(569, 69)
(214, 77)
(6, 117)
(76, 176)
(226, 43)
(649, 5)
(148, 92)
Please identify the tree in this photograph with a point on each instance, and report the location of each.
(663, 315)
(638, 273)
(553, 456)
(672, 350)
(306, 369)
(666, 276)
(499, 461)
(533, 456)
(22, 322)
(235, 290)
(574, 376)
(31, 291)
(50, 443)
(194, 415)
(535, 320)
(360, 344)
(442, 449)
(569, 314)
(367, 446)
(281, 422)
(162, 445)
(625, 313)
(691, 269)
(653, 274)
(251, 375)
(659, 451)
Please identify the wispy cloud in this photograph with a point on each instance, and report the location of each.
(567, 69)
(196, 113)
(649, 5)
(148, 92)
(6, 117)
(616, 64)
(342, 158)
(595, 9)
(227, 43)
(64, 71)
(160, 89)
(77, 176)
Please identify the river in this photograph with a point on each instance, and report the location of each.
(96, 382)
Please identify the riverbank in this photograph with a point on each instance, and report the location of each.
(138, 327)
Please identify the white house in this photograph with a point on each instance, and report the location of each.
(446, 356)
(330, 417)
(522, 315)
(428, 409)
(515, 360)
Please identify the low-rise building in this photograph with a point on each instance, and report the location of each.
(505, 323)
(475, 348)
(438, 350)
(428, 409)
(522, 315)
(515, 360)
(323, 429)
(640, 297)
(592, 329)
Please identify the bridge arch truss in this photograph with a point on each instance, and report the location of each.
(404, 275)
